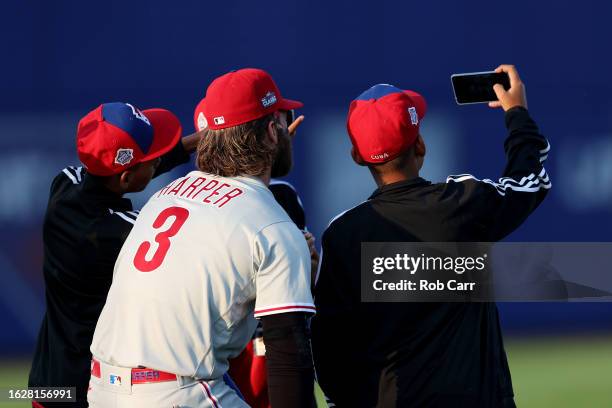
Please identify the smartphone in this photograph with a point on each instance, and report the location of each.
(477, 87)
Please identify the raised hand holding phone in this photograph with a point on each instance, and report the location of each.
(515, 96)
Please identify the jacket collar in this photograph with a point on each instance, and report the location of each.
(399, 187)
(96, 190)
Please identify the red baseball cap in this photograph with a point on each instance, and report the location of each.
(239, 97)
(384, 121)
(116, 136)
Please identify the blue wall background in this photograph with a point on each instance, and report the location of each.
(61, 59)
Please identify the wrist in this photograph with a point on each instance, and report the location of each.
(516, 108)
(516, 117)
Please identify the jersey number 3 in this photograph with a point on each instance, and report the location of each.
(162, 238)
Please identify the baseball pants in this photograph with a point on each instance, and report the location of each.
(113, 389)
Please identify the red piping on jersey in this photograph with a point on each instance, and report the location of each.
(273, 309)
(209, 395)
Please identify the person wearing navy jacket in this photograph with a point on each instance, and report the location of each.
(86, 222)
(420, 354)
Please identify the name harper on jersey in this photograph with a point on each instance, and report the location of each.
(209, 191)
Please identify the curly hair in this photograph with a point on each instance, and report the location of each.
(236, 151)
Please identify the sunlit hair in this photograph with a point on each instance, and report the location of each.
(236, 151)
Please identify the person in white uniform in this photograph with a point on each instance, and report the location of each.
(208, 255)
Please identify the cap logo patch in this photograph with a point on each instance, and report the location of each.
(139, 114)
(219, 120)
(268, 100)
(202, 122)
(379, 156)
(124, 156)
(414, 116)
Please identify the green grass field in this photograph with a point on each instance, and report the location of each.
(546, 372)
(553, 372)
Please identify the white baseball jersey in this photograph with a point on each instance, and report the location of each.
(207, 255)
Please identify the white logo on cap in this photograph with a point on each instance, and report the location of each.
(139, 114)
(219, 120)
(414, 116)
(268, 100)
(379, 156)
(202, 122)
(124, 156)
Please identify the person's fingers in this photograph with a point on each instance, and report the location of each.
(310, 241)
(293, 126)
(495, 104)
(499, 91)
(314, 255)
(515, 79)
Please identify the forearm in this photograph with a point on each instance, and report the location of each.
(179, 154)
(190, 143)
(526, 149)
(288, 360)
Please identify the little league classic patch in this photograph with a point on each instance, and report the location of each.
(268, 100)
(124, 156)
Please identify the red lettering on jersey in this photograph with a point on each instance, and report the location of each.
(215, 192)
(227, 197)
(196, 183)
(178, 186)
(165, 189)
(162, 238)
(209, 186)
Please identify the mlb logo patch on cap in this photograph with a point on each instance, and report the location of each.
(239, 97)
(384, 121)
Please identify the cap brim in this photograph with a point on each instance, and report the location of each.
(419, 101)
(166, 132)
(288, 104)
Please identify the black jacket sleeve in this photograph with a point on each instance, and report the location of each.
(173, 158)
(502, 206)
(288, 198)
(289, 360)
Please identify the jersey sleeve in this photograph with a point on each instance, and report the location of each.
(282, 271)
(501, 206)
